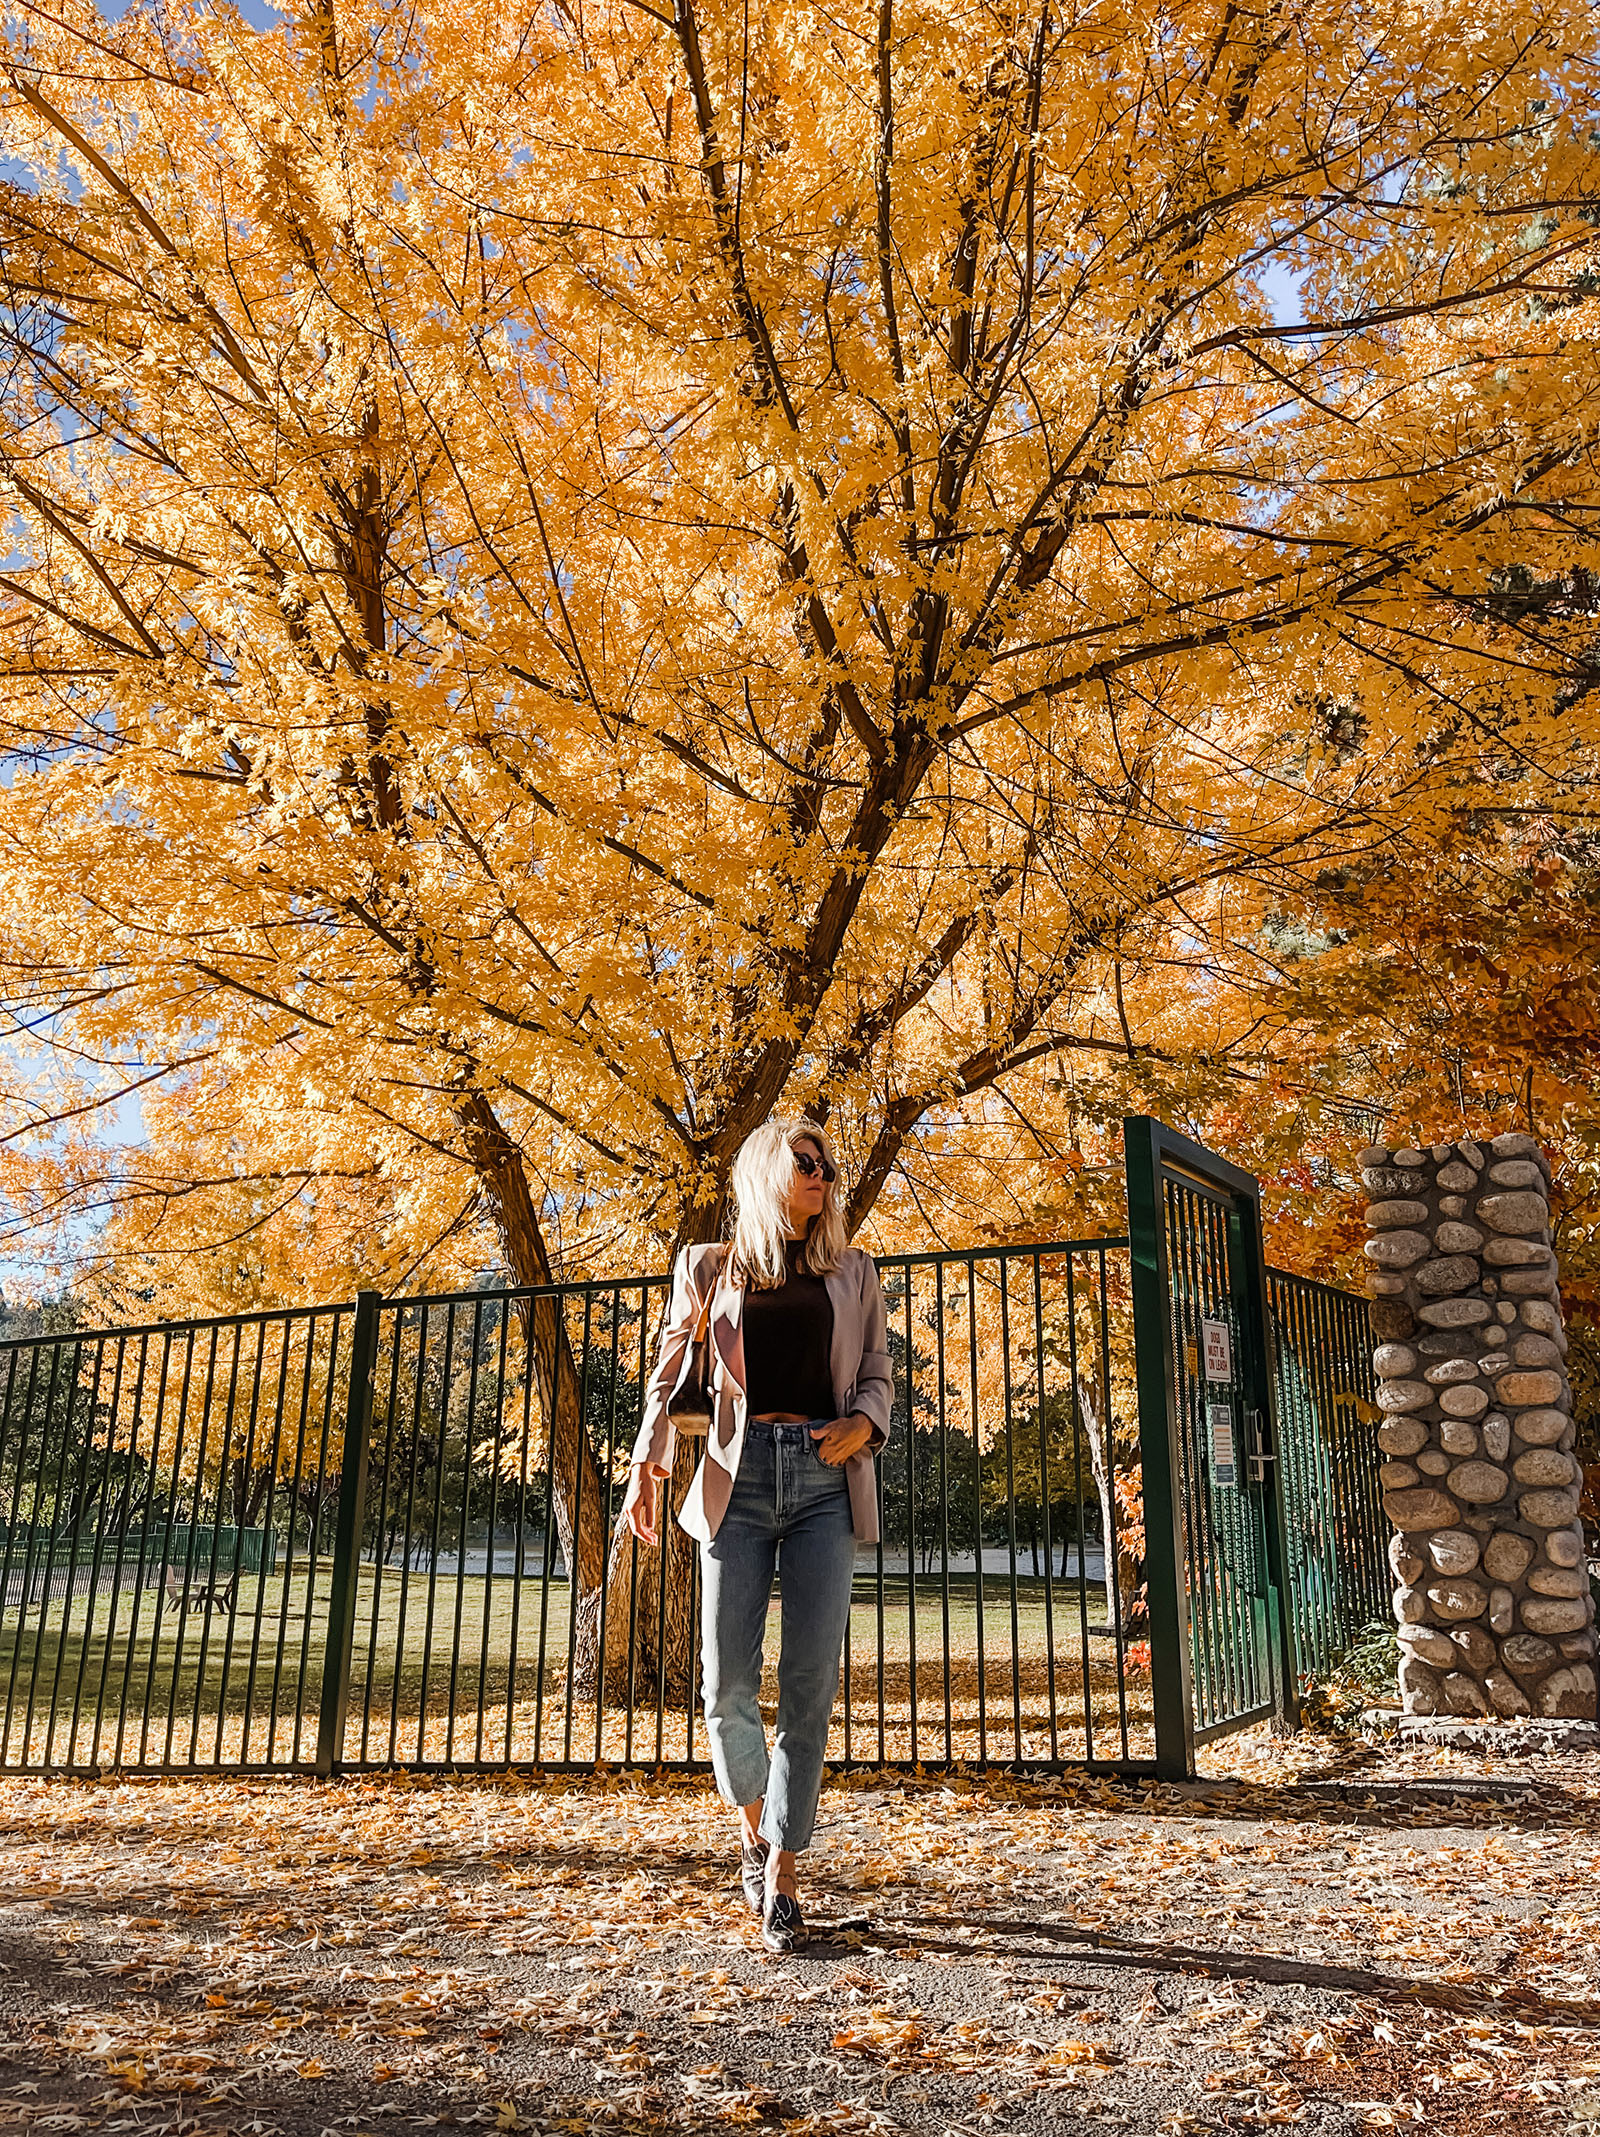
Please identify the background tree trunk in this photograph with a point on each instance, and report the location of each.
(649, 1631)
(577, 1484)
(1121, 1570)
(653, 1594)
(663, 1653)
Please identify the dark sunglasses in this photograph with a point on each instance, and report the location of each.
(810, 1166)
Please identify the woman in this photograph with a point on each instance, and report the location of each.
(803, 1390)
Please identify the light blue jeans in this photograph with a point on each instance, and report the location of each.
(789, 1515)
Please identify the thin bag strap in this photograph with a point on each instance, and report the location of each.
(703, 1319)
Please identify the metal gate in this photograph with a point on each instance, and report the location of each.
(1259, 1462)
(1217, 1652)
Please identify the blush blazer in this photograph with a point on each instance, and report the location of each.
(863, 1381)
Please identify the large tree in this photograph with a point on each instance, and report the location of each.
(578, 575)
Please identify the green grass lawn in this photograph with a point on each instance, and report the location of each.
(154, 1682)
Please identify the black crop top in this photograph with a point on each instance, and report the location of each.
(788, 1343)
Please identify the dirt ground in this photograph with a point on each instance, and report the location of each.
(1341, 1938)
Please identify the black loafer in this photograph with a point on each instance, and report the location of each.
(753, 1876)
(783, 1926)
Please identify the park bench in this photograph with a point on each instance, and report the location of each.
(205, 1595)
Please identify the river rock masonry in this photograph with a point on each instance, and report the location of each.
(1479, 1479)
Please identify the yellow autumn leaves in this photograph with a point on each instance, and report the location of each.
(588, 576)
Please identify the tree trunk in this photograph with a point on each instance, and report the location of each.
(652, 1594)
(1121, 1570)
(577, 1485)
(662, 1658)
(659, 1659)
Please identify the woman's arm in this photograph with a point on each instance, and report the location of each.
(656, 1439)
(874, 1396)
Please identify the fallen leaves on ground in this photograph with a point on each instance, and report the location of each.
(1346, 1940)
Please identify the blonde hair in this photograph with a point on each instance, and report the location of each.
(763, 1175)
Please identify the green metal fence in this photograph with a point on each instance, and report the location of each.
(1325, 1396)
(167, 1495)
(371, 1536)
(37, 1566)
(1129, 1503)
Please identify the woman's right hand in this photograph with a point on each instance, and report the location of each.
(640, 1502)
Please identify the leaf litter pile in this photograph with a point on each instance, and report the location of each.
(1337, 1940)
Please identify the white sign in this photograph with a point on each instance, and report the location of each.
(1219, 1418)
(1217, 1346)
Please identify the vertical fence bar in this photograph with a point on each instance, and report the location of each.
(911, 1522)
(118, 1522)
(142, 1562)
(86, 1493)
(1256, 1377)
(1075, 1412)
(26, 1571)
(403, 1607)
(435, 1520)
(575, 1553)
(973, 1400)
(380, 1550)
(300, 1420)
(603, 1626)
(545, 1554)
(241, 1472)
(512, 1649)
(196, 1503)
(345, 1590)
(1041, 1387)
(494, 1520)
(336, 1320)
(877, 1487)
(1110, 1540)
(214, 1560)
(50, 1523)
(1009, 1422)
(79, 1501)
(14, 1499)
(269, 1512)
(168, 1525)
(467, 1429)
(944, 1497)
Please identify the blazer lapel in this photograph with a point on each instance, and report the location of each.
(727, 1323)
(844, 1353)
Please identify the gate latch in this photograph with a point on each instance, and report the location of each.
(1258, 1444)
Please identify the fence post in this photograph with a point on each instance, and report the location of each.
(1165, 1584)
(347, 1537)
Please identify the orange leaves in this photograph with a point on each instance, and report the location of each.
(906, 2041)
(1072, 2054)
(883, 2036)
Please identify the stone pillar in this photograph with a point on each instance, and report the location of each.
(1479, 1478)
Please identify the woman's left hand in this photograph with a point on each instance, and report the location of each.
(844, 1437)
